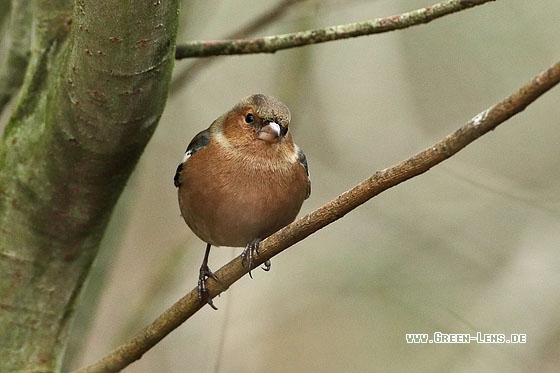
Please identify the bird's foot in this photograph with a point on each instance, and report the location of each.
(203, 294)
(248, 254)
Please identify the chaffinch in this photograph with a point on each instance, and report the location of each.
(241, 180)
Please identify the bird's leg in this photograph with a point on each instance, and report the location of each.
(248, 254)
(205, 272)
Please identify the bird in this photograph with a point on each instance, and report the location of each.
(242, 179)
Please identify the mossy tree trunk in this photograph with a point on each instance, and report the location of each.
(93, 93)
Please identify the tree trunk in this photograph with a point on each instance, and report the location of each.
(94, 90)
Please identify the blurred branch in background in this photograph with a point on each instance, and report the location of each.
(273, 14)
(330, 212)
(274, 43)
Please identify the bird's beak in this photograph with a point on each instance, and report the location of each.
(270, 132)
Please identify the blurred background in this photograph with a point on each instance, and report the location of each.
(471, 246)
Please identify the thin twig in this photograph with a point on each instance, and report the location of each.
(382, 180)
(271, 44)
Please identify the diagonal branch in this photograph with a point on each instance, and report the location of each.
(271, 44)
(327, 214)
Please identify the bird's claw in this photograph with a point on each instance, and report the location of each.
(203, 294)
(267, 266)
(248, 254)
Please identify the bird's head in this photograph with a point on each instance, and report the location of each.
(258, 118)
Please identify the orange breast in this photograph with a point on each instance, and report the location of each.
(230, 201)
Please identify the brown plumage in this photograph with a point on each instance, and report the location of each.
(242, 179)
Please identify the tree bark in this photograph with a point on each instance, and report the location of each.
(94, 91)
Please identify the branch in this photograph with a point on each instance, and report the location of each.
(271, 44)
(327, 214)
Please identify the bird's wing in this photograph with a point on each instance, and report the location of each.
(303, 161)
(198, 142)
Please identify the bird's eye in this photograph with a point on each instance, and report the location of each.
(249, 118)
